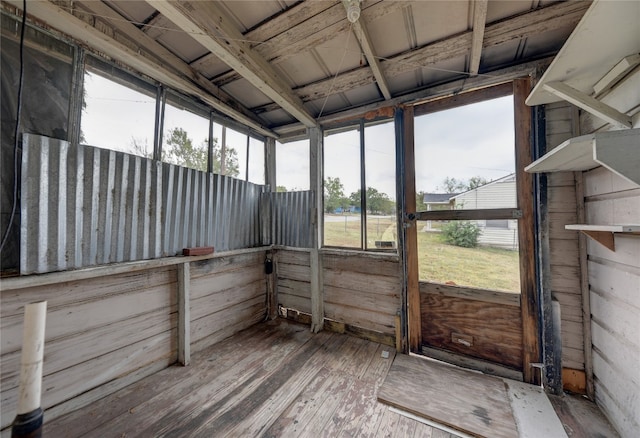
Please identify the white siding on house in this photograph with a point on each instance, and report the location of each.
(498, 194)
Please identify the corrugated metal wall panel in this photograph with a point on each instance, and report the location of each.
(291, 214)
(84, 206)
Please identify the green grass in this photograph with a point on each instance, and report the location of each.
(482, 267)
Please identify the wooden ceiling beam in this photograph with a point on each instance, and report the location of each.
(208, 24)
(360, 31)
(550, 18)
(81, 31)
(315, 31)
(479, 21)
(166, 57)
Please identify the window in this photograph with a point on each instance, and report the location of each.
(465, 161)
(292, 166)
(117, 116)
(357, 160)
(255, 164)
(185, 141)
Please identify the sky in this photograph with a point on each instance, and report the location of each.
(474, 140)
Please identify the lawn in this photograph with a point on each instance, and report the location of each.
(482, 267)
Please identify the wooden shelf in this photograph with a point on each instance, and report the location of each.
(603, 234)
(618, 151)
(608, 33)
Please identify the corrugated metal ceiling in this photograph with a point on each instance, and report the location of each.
(307, 52)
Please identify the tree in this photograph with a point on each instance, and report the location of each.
(420, 205)
(476, 181)
(281, 189)
(333, 194)
(453, 185)
(377, 202)
(179, 149)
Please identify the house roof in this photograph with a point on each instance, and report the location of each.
(282, 65)
(438, 198)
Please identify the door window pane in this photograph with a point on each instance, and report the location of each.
(292, 166)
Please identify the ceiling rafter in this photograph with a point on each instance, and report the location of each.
(168, 58)
(361, 33)
(80, 30)
(316, 30)
(210, 26)
(479, 21)
(552, 17)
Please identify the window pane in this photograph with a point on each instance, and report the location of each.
(342, 205)
(465, 160)
(186, 136)
(117, 117)
(492, 264)
(380, 172)
(292, 166)
(256, 161)
(236, 152)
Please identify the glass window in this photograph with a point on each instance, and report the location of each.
(236, 154)
(380, 171)
(292, 166)
(186, 137)
(465, 160)
(342, 188)
(116, 116)
(256, 161)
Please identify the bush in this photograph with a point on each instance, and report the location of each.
(461, 233)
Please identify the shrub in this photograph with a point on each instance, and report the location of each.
(461, 233)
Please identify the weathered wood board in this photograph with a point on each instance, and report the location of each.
(472, 403)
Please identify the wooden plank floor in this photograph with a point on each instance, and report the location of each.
(274, 379)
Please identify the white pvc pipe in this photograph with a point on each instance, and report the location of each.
(32, 353)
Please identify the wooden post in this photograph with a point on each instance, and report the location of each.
(526, 234)
(405, 170)
(184, 314)
(29, 418)
(317, 186)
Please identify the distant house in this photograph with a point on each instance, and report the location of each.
(501, 193)
(437, 201)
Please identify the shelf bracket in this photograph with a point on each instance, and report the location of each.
(604, 238)
(589, 104)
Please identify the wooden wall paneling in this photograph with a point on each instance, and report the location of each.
(90, 344)
(385, 304)
(221, 300)
(294, 272)
(526, 233)
(212, 284)
(204, 331)
(70, 292)
(292, 257)
(365, 263)
(446, 317)
(73, 381)
(225, 263)
(184, 314)
(362, 318)
(585, 296)
(485, 295)
(291, 301)
(371, 284)
(88, 315)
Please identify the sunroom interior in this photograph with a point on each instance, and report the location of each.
(224, 206)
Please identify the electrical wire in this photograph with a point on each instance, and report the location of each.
(17, 130)
(326, 98)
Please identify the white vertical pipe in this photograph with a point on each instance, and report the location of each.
(32, 353)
